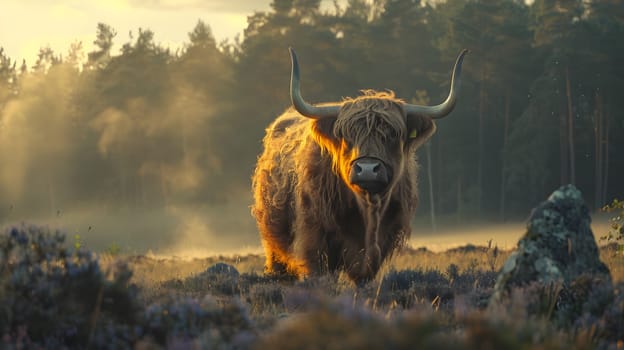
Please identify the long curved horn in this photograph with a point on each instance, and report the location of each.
(306, 109)
(443, 109)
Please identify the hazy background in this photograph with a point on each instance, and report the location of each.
(127, 139)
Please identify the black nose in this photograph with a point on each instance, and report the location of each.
(369, 174)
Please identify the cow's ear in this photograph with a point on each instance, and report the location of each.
(324, 129)
(419, 129)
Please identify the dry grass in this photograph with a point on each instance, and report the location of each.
(152, 270)
(423, 299)
(418, 296)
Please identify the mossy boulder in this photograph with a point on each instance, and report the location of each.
(557, 259)
(221, 268)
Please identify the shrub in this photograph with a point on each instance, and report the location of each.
(52, 295)
(184, 320)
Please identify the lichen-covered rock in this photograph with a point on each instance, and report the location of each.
(223, 268)
(558, 252)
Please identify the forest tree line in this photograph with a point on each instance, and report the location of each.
(539, 106)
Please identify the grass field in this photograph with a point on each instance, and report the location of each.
(420, 298)
(55, 296)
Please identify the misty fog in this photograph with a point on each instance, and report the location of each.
(118, 161)
(153, 150)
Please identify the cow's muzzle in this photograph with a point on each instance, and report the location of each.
(369, 174)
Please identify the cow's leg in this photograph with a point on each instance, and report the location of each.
(273, 266)
(363, 266)
(311, 242)
(368, 262)
(315, 258)
(276, 238)
(365, 257)
(310, 248)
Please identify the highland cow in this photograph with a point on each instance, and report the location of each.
(335, 188)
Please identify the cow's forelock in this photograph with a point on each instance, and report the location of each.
(371, 115)
(371, 125)
(366, 119)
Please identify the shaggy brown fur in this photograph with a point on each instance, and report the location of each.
(311, 219)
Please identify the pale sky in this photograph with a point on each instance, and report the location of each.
(27, 25)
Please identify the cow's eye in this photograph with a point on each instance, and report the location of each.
(392, 136)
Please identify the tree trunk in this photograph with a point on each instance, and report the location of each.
(459, 199)
(598, 155)
(563, 150)
(605, 181)
(503, 160)
(143, 193)
(570, 129)
(481, 143)
(438, 142)
(431, 196)
(54, 210)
